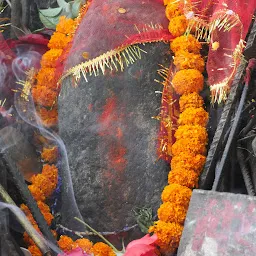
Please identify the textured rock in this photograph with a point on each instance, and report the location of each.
(111, 141)
(219, 224)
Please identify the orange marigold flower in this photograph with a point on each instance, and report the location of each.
(188, 161)
(49, 118)
(187, 178)
(59, 41)
(191, 100)
(51, 172)
(34, 250)
(37, 193)
(44, 96)
(45, 184)
(178, 25)
(177, 194)
(193, 146)
(65, 25)
(168, 235)
(47, 77)
(194, 116)
(172, 212)
(45, 210)
(186, 43)
(50, 155)
(188, 81)
(65, 243)
(187, 60)
(85, 244)
(101, 249)
(50, 58)
(172, 10)
(191, 131)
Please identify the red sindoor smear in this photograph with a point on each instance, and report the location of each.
(111, 123)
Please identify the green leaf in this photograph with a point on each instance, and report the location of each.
(144, 218)
(75, 7)
(51, 12)
(63, 4)
(49, 22)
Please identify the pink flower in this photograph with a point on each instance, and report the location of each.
(75, 252)
(142, 247)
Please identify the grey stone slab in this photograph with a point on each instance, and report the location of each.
(219, 224)
(111, 141)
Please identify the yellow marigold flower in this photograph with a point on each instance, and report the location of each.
(85, 244)
(187, 60)
(50, 58)
(172, 10)
(188, 146)
(187, 178)
(50, 155)
(47, 77)
(188, 161)
(178, 194)
(65, 243)
(49, 117)
(34, 250)
(186, 43)
(59, 41)
(44, 96)
(188, 81)
(191, 100)
(37, 193)
(194, 116)
(191, 131)
(101, 249)
(168, 235)
(178, 25)
(65, 25)
(172, 212)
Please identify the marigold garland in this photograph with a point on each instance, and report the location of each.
(187, 60)
(50, 155)
(168, 233)
(177, 194)
(191, 131)
(187, 178)
(194, 116)
(172, 212)
(191, 100)
(188, 161)
(186, 43)
(172, 10)
(188, 81)
(191, 136)
(178, 25)
(101, 249)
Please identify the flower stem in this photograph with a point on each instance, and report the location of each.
(101, 236)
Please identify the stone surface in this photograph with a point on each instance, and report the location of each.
(111, 141)
(219, 224)
(18, 148)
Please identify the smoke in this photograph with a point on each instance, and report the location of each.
(27, 112)
(21, 217)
